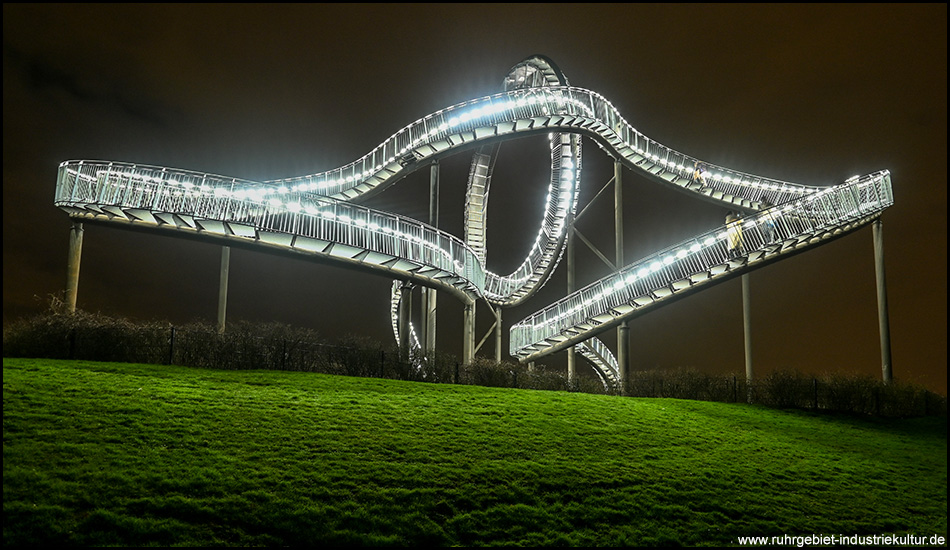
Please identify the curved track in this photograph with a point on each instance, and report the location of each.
(319, 216)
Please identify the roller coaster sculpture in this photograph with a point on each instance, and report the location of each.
(318, 215)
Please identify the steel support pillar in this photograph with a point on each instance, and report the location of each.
(72, 265)
(405, 317)
(428, 318)
(223, 287)
(882, 315)
(747, 326)
(571, 352)
(429, 295)
(623, 331)
(468, 334)
(498, 334)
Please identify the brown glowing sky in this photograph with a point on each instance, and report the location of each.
(810, 94)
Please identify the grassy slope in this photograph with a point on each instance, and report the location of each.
(100, 454)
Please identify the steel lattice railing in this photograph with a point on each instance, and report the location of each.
(190, 200)
(777, 230)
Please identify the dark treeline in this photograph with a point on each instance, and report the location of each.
(246, 346)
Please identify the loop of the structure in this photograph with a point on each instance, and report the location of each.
(565, 148)
(534, 271)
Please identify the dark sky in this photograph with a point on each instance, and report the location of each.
(810, 94)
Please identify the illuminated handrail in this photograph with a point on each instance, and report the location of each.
(574, 110)
(105, 185)
(608, 300)
(603, 360)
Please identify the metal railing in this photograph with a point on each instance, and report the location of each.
(777, 229)
(124, 190)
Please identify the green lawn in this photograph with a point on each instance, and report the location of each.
(124, 454)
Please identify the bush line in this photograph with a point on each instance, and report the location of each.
(272, 346)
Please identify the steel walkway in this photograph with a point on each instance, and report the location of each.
(318, 215)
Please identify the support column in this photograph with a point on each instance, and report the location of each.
(498, 334)
(223, 287)
(623, 331)
(428, 318)
(72, 265)
(405, 317)
(571, 353)
(623, 355)
(424, 319)
(468, 334)
(882, 315)
(429, 295)
(747, 326)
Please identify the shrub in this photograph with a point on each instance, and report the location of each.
(63, 335)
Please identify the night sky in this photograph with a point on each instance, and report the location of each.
(809, 94)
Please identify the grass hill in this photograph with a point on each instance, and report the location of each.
(142, 455)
